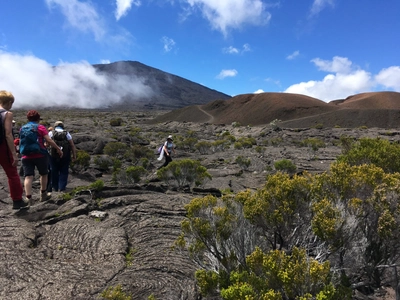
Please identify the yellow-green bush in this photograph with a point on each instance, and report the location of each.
(347, 217)
(379, 152)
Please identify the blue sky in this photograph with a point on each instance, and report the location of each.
(327, 49)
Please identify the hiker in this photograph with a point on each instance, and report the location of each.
(33, 152)
(15, 130)
(166, 151)
(60, 165)
(8, 154)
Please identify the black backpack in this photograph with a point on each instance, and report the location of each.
(2, 130)
(60, 138)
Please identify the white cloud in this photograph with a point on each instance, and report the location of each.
(337, 65)
(246, 48)
(169, 43)
(105, 61)
(389, 78)
(230, 14)
(231, 50)
(346, 81)
(80, 15)
(259, 91)
(293, 55)
(77, 84)
(123, 6)
(319, 5)
(227, 73)
(234, 50)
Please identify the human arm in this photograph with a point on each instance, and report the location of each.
(73, 149)
(165, 148)
(10, 137)
(50, 142)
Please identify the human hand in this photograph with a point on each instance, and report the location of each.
(15, 160)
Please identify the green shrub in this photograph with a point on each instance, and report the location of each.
(203, 147)
(313, 143)
(380, 152)
(116, 163)
(184, 172)
(346, 142)
(103, 162)
(276, 141)
(130, 175)
(115, 293)
(98, 185)
(136, 152)
(243, 162)
(133, 173)
(220, 145)
(285, 165)
(319, 126)
(189, 143)
(115, 149)
(135, 131)
(144, 162)
(259, 149)
(226, 135)
(237, 145)
(81, 162)
(247, 142)
(116, 122)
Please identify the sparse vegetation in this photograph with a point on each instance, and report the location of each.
(339, 205)
(285, 165)
(379, 152)
(115, 149)
(243, 162)
(82, 161)
(115, 293)
(203, 147)
(310, 236)
(116, 122)
(184, 172)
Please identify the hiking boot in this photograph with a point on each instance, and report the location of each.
(20, 204)
(45, 196)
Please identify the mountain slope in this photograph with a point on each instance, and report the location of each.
(168, 91)
(376, 109)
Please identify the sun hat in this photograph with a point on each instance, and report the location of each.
(59, 124)
(170, 138)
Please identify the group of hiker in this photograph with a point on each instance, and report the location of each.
(47, 151)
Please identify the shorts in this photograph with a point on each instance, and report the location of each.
(29, 164)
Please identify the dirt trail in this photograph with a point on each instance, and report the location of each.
(211, 119)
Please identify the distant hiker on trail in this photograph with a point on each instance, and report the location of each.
(8, 154)
(34, 153)
(166, 151)
(60, 165)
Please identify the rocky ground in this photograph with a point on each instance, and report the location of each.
(124, 235)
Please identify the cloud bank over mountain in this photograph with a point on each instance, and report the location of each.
(35, 83)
